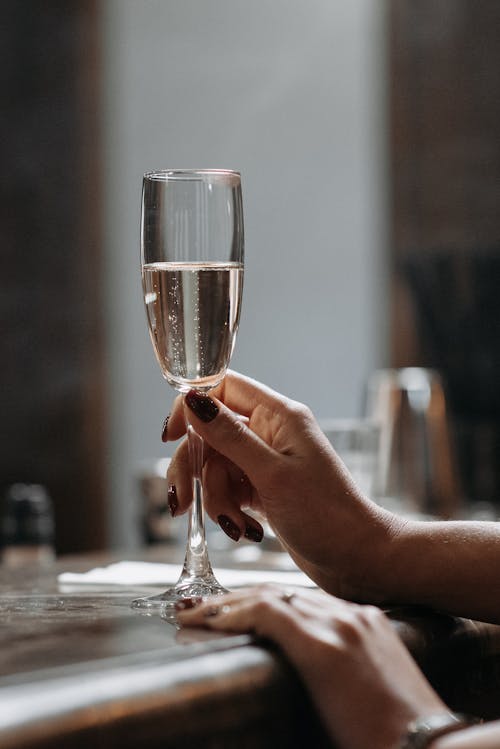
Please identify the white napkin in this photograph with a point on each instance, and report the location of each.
(148, 573)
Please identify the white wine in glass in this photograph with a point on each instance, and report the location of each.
(192, 260)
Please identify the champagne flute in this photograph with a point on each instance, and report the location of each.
(192, 247)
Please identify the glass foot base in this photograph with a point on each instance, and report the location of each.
(164, 603)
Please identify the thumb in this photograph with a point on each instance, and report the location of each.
(228, 434)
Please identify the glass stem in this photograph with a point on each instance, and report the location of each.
(196, 562)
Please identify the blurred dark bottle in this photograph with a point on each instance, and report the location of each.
(27, 526)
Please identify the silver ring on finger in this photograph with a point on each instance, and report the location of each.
(212, 611)
(216, 610)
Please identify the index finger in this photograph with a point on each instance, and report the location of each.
(239, 393)
(242, 394)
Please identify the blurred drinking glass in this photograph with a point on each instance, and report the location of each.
(417, 469)
(356, 442)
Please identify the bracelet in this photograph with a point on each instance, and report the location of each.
(423, 731)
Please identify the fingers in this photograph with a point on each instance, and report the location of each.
(180, 483)
(295, 619)
(307, 625)
(174, 426)
(243, 394)
(226, 491)
(226, 433)
(261, 611)
(240, 394)
(308, 601)
(248, 423)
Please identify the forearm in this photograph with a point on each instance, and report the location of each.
(479, 737)
(450, 566)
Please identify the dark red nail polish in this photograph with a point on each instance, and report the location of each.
(254, 534)
(229, 528)
(187, 603)
(172, 500)
(164, 429)
(201, 405)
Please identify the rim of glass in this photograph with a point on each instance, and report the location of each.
(163, 175)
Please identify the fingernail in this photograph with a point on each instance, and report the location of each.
(201, 405)
(172, 500)
(164, 429)
(188, 603)
(254, 534)
(229, 528)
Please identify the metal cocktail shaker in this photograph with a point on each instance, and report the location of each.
(416, 463)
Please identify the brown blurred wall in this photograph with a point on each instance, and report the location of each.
(444, 62)
(52, 385)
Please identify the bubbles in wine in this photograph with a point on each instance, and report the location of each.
(193, 313)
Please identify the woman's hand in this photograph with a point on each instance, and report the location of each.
(363, 681)
(268, 453)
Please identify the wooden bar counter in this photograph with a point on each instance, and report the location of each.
(82, 669)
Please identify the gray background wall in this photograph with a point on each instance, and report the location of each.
(291, 93)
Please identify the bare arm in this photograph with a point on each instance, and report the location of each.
(478, 737)
(451, 566)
